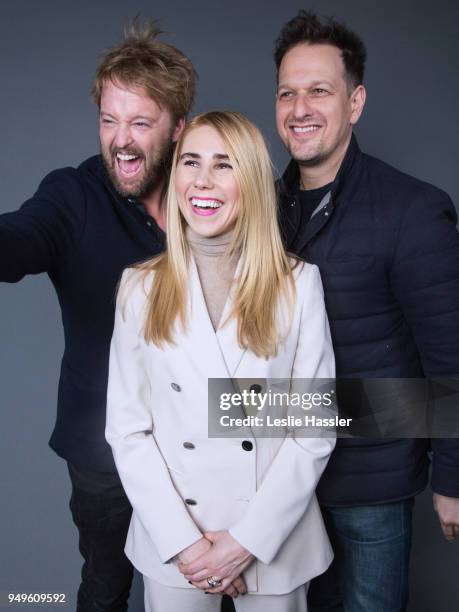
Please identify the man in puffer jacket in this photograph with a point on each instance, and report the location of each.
(388, 251)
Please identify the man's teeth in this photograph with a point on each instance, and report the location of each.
(206, 203)
(309, 128)
(126, 156)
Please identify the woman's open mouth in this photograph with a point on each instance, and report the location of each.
(205, 206)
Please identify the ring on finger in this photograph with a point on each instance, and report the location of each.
(213, 582)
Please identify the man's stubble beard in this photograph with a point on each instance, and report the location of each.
(311, 162)
(156, 171)
(315, 158)
(322, 154)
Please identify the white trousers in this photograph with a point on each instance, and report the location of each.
(161, 598)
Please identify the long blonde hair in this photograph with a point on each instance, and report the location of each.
(264, 274)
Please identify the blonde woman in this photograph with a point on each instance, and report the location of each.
(218, 515)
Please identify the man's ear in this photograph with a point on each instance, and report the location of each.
(358, 97)
(178, 129)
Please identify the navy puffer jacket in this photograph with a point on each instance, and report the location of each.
(388, 252)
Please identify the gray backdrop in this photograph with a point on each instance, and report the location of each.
(48, 54)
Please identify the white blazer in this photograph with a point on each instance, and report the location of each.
(181, 482)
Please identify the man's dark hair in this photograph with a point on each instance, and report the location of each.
(307, 27)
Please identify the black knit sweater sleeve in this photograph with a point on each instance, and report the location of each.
(45, 231)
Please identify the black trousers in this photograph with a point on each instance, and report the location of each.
(102, 512)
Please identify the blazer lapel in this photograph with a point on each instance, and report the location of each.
(219, 350)
(224, 341)
(200, 342)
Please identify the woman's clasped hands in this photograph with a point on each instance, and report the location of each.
(217, 556)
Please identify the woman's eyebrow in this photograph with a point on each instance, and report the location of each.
(197, 156)
(193, 155)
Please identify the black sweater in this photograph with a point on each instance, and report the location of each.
(79, 231)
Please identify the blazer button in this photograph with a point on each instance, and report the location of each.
(189, 445)
(191, 502)
(247, 445)
(256, 388)
(176, 387)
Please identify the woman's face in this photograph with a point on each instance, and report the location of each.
(205, 184)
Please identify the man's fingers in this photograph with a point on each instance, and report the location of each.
(449, 531)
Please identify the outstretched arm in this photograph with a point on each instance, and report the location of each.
(46, 230)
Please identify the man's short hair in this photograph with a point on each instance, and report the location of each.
(307, 27)
(142, 60)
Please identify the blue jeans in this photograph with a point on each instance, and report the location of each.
(370, 570)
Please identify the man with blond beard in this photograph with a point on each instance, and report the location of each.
(82, 227)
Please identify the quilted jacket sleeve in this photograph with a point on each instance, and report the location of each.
(425, 279)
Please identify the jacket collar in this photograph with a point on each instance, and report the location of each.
(289, 181)
(295, 237)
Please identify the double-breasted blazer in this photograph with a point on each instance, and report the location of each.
(180, 481)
